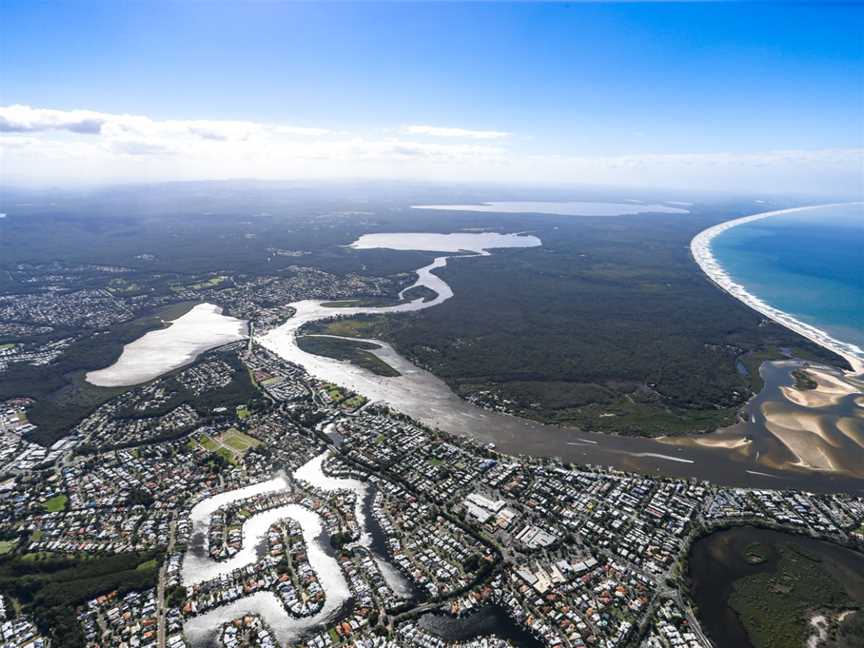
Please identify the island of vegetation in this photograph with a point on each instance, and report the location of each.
(356, 351)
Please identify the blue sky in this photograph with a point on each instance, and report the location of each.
(733, 96)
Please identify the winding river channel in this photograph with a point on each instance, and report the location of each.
(425, 397)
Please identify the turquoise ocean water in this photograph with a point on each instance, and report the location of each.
(808, 264)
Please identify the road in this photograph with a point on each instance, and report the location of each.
(160, 588)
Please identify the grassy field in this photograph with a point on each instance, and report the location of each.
(212, 282)
(229, 445)
(227, 455)
(121, 286)
(362, 302)
(6, 546)
(55, 504)
(335, 393)
(238, 440)
(208, 443)
(147, 565)
(354, 402)
(365, 327)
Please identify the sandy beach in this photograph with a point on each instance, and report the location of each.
(700, 247)
(811, 425)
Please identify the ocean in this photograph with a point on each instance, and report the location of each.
(808, 264)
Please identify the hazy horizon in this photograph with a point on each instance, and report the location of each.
(723, 97)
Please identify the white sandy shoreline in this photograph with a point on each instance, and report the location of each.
(700, 247)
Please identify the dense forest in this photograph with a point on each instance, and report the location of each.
(609, 326)
(50, 586)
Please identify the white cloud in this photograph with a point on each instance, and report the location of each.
(24, 119)
(465, 133)
(40, 146)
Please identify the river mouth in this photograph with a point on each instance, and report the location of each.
(753, 587)
(818, 430)
(726, 459)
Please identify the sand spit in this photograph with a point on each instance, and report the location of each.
(700, 247)
(720, 440)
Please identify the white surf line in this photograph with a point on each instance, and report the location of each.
(762, 474)
(700, 247)
(660, 456)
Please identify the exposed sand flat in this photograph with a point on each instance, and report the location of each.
(831, 388)
(852, 428)
(730, 443)
(722, 440)
(832, 382)
(821, 426)
(816, 425)
(810, 397)
(819, 441)
(810, 450)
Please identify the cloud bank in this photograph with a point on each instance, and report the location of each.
(441, 131)
(41, 146)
